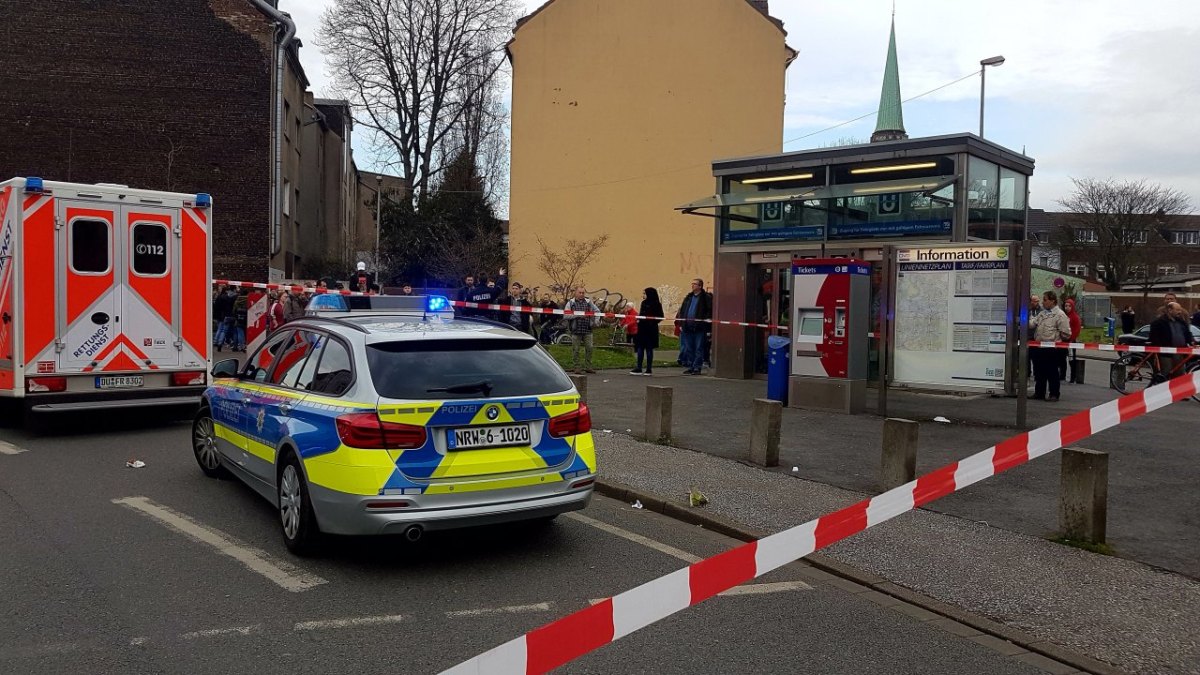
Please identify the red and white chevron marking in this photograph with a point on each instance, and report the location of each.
(1115, 348)
(572, 636)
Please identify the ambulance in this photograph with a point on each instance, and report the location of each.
(105, 296)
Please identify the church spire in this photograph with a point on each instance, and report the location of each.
(889, 124)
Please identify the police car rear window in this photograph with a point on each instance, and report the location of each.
(409, 370)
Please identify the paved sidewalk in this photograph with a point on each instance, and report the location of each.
(1153, 463)
(1119, 611)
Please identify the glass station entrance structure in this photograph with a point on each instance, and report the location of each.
(847, 201)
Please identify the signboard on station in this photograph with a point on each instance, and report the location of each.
(953, 315)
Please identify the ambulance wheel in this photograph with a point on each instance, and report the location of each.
(299, 524)
(204, 445)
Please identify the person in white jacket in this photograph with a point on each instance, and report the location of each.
(1052, 325)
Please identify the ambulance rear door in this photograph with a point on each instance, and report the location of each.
(150, 287)
(88, 304)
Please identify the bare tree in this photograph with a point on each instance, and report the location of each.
(476, 250)
(1116, 226)
(416, 71)
(565, 269)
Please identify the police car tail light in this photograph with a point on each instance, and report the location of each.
(366, 430)
(45, 384)
(571, 424)
(187, 378)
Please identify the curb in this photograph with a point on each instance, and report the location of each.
(734, 530)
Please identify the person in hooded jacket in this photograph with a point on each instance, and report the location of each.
(645, 340)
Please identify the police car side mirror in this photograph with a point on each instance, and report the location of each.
(227, 368)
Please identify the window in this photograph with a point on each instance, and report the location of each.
(1077, 270)
(287, 197)
(310, 367)
(1167, 269)
(1138, 237)
(423, 370)
(334, 373)
(1188, 237)
(293, 360)
(983, 198)
(149, 249)
(1193, 269)
(259, 365)
(1137, 271)
(1086, 235)
(89, 246)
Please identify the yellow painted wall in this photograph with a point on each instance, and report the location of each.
(619, 108)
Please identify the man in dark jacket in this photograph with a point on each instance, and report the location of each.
(693, 317)
(1170, 329)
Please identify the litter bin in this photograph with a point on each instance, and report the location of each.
(777, 368)
(1110, 328)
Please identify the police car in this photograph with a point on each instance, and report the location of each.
(387, 415)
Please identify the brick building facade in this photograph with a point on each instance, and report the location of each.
(1165, 249)
(166, 96)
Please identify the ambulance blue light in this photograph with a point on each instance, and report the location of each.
(34, 184)
(203, 200)
(437, 303)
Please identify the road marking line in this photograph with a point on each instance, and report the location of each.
(750, 589)
(349, 623)
(217, 632)
(283, 574)
(515, 609)
(636, 538)
(760, 589)
(10, 449)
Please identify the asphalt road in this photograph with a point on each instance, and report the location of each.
(106, 568)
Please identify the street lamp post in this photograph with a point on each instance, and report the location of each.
(378, 222)
(993, 61)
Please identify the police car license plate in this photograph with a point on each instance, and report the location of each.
(119, 382)
(487, 437)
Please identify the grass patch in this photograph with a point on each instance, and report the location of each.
(604, 358)
(1102, 549)
(603, 336)
(1093, 335)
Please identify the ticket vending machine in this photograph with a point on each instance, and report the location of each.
(831, 305)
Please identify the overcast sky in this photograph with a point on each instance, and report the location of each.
(1096, 89)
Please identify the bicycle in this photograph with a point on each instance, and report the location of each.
(1135, 371)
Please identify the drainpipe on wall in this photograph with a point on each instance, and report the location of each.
(289, 32)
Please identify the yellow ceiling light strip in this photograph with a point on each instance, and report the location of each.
(776, 179)
(894, 167)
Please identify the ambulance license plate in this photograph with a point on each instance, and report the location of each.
(487, 437)
(119, 382)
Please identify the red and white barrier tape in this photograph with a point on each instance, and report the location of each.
(608, 315)
(528, 309)
(1115, 348)
(572, 636)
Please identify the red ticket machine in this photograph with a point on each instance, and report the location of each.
(831, 305)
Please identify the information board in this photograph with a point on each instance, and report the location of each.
(952, 317)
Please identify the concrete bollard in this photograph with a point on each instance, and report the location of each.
(658, 414)
(1083, 498)
(580, 382)
(764, 432)
(899, 452)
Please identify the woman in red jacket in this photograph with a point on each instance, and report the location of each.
(1076, 327)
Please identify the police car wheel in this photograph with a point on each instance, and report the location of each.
(204, 445)
(300, 532)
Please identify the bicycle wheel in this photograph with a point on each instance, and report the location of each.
(1131, 373)
(1192, 366)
